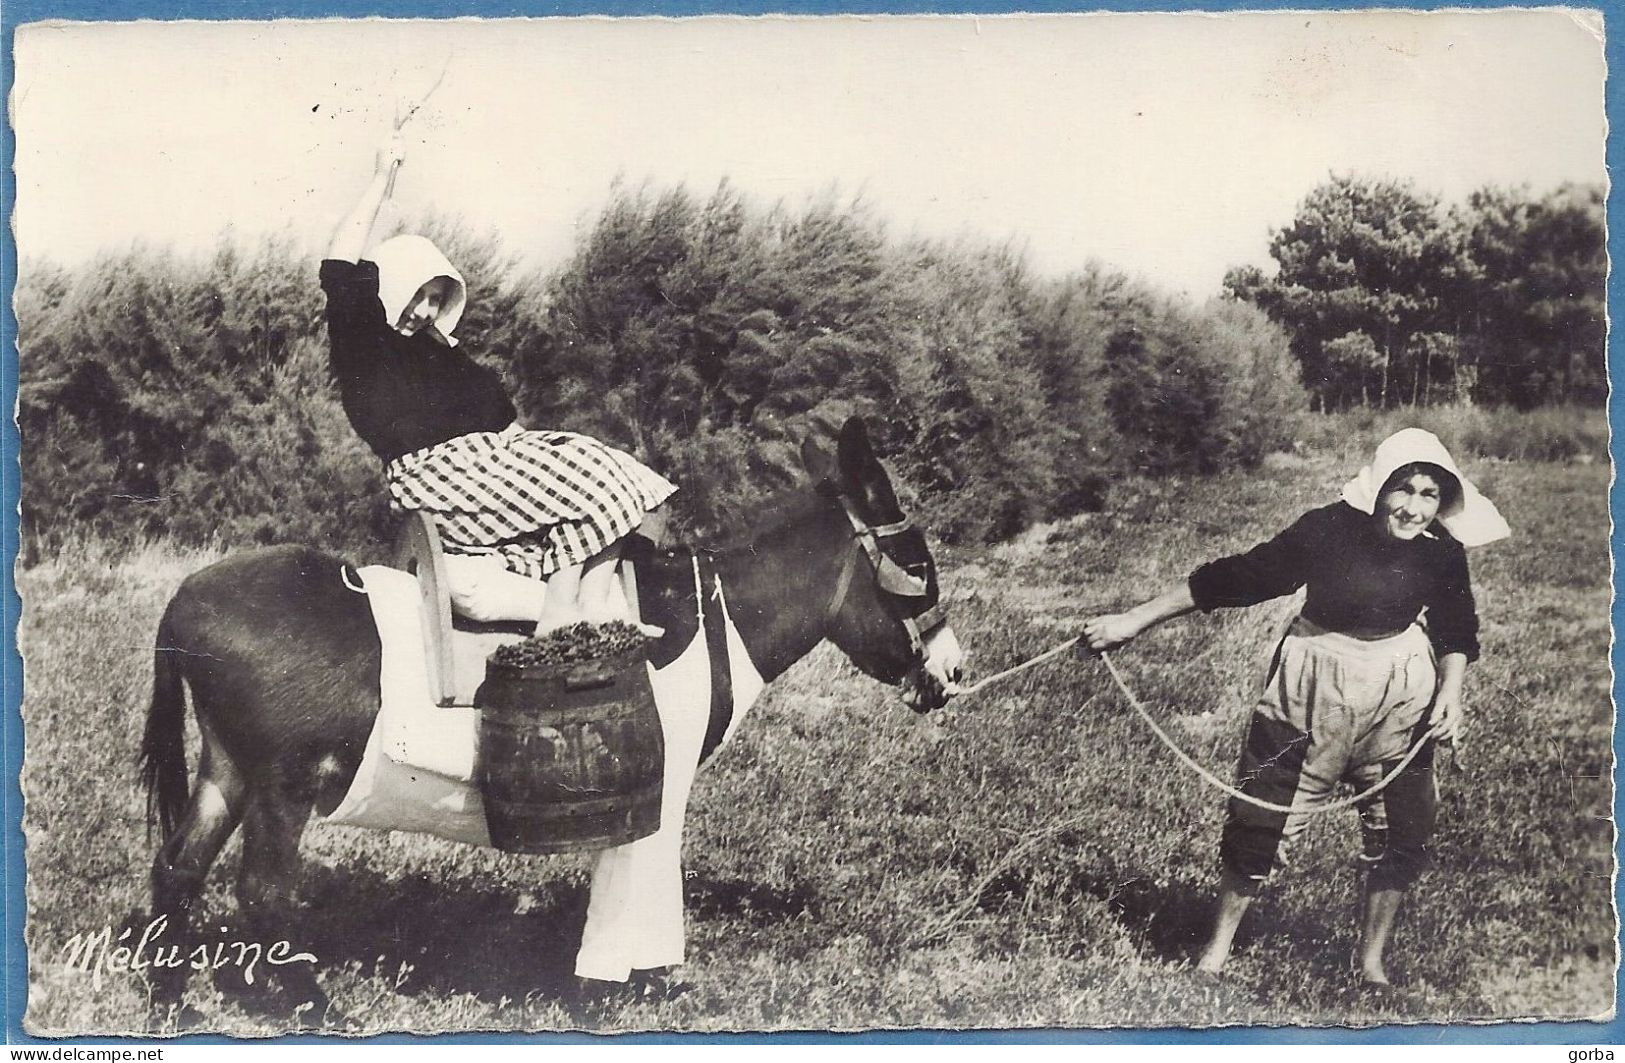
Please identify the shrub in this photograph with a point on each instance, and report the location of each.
(706, 335)
(190, 399)
(1200, 391)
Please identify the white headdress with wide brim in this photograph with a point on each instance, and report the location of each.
(1472, 518)
(407, 263)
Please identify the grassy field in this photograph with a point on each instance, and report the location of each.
(1029, 858)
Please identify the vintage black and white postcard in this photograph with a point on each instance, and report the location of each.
(829, 523)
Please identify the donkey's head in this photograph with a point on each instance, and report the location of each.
(885, 612)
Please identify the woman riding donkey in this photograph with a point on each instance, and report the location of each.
(1357, 682)
(552, 506)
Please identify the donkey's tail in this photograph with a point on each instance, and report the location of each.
(163, 744)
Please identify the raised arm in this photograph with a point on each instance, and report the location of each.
(355, 317)
(350, 238)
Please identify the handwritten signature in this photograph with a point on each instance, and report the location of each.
(102, 951)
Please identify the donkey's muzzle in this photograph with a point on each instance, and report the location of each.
(923, 691)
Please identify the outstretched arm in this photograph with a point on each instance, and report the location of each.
(1113, 630)
(1269, 570)
(350, 238)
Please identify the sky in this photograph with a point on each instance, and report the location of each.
(1166, 146)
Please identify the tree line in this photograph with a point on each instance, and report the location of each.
(1391, 298)
(165, 395)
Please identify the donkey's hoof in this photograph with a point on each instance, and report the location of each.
(642, 987)
(594, 991)
(657, 984)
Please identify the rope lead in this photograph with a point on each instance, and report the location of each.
(1184, 758)
(1213, 780)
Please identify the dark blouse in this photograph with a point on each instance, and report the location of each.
(1359, 580)
(402, 393)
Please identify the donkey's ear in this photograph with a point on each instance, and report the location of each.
(862, 472)
(819, 463)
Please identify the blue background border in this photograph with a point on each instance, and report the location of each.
(15, 973)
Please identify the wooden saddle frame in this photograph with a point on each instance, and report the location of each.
(418, 552)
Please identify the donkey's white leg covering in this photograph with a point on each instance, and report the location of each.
(635, 914)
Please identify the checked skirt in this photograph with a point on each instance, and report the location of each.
(539, 501)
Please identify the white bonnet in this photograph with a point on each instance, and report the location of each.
(407, 263)
(1472, 518)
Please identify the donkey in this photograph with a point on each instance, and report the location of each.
(282, 659)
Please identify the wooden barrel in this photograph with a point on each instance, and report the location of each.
(571, 755)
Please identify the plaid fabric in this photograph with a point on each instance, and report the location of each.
(540, 501)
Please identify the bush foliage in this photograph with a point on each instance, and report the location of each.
(1208, 389)
(190, 397)
(165, 395)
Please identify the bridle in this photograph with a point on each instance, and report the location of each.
(891, 578)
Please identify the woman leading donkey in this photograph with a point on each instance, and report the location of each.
(1356, 682)
(551, 506)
